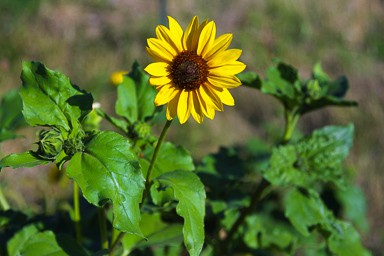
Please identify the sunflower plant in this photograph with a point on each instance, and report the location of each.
(144, 195)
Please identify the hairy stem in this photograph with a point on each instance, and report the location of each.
(147, 179)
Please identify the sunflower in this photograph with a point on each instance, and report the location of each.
(193, 69)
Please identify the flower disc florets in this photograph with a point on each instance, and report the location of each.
(188, 71)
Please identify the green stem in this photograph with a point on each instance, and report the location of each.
(147, 179)
(291, 118)
(103, 228)
(77, 216)
(3, 201)
(154, 157)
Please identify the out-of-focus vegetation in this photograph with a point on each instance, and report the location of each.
(89, 40)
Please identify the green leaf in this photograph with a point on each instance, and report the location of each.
(30, 242)
(26, 159)
(170, 158)
(262, 232)
(281, 82)
(354, 205)
(108, 170)
(49, 98)
(10, 111)
(189, 191)
(16, 243)
(250, 79)
(317, 157)
(157, 233)
(345, 241)
(305, 209)
(135, 97)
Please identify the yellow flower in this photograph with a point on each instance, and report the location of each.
(193, 70)
(118, 77)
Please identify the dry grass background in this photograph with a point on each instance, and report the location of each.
(88, 40)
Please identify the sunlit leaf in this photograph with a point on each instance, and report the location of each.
(108, 171)
(49, 98)
(170, 158)
(135, 97)
(26, 159)
(189, 191)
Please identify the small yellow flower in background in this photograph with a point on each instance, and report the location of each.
(193, 69)
(117, 77)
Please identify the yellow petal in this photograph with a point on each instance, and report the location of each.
(207, 37)
(207, 111)
(224, 57)
(211, 99)
(159, 56)
(165, 94)
(157, 69)
(175, 28)
(172, 107)
(162, 48)
(184, 107)
(227, 70)
(220, 44)
(224, 95)
(189, 33)
(162, 80)
(224, 81)
(196, 108)
(173, 39)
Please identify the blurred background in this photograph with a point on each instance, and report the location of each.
(88, 40)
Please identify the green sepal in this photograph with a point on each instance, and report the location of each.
(189, 191)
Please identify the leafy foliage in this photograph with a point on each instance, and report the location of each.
(255, 199)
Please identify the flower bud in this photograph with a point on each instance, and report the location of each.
(50, 143)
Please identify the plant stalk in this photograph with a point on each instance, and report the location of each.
(77, 216)
(291, 118)
(3, 201)
(103, 228)
(147, 179)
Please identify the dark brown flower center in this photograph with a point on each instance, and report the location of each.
(188, 71)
